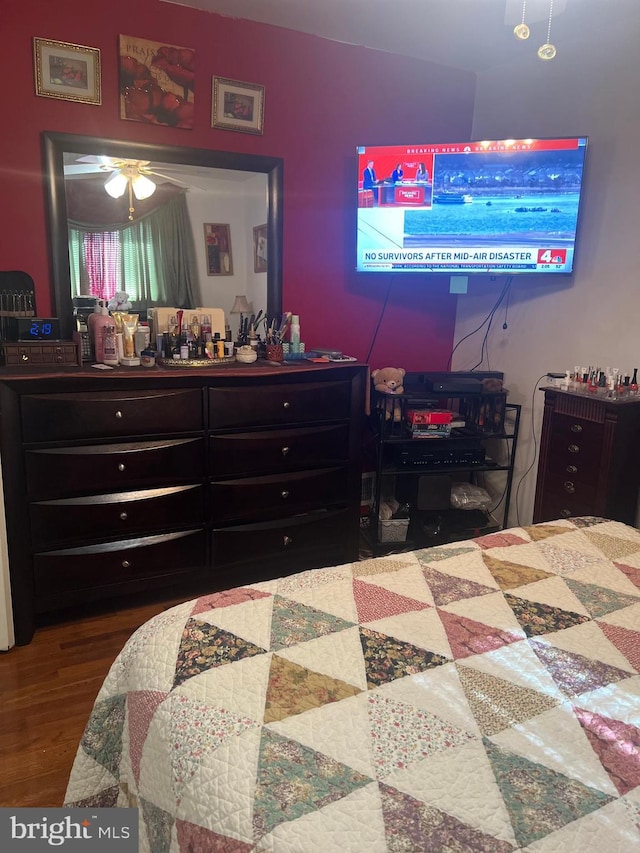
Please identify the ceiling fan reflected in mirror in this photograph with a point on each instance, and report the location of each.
(125, 175)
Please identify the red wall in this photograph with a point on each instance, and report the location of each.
(322, 99)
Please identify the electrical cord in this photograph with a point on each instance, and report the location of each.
(375, 333)
(535, 445)
(489, 319)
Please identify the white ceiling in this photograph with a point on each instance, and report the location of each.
(470, 34)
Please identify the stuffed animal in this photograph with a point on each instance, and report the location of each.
(388, 380)
(119, 302)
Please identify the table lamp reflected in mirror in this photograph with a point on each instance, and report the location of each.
(241, 307)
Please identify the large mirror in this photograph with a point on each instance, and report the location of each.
(220, 187)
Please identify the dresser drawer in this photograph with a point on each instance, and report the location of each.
(278, 450)
(272, 548)
(55, 417)
(116, 514)
(57, 471)
(565, 497)
(95, 566)
(566, 430)
(267, 405)
(278, 495)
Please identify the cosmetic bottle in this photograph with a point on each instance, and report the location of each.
(109, 344)
(97, 322)
(294, 333)
(633, 387)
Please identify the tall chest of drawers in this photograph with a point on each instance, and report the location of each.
(176, 479)
(589, 462)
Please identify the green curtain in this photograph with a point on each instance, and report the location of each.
(157, 258)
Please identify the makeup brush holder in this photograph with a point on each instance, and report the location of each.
(275, 352)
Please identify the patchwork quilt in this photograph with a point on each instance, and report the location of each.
(479, 696)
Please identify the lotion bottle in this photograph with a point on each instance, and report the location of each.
(100, 320)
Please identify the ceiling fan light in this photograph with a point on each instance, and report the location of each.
(143, 187)
(116, 184)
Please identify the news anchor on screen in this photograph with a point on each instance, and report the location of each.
(369, 180)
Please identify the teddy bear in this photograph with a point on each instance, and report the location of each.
(119, 302)
(388, 380)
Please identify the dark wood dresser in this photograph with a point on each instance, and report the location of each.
(589, 457)
(136, 480)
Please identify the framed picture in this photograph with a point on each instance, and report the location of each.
(157, 82)
(67, 71)
(237, 106)
(260, 248)
(217, 243)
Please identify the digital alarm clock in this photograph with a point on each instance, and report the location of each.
(32, 329)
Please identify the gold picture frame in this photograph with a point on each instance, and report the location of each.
(260, 248)
(237, 106)
(217, 244)
(70, 72)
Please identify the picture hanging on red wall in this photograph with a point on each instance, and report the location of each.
(67, 71)
(156, 82)
(237, 106)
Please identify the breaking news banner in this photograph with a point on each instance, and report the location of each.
(73, 829)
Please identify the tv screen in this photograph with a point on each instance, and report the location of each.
(494, 206)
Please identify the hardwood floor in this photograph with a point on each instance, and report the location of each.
(47, 690)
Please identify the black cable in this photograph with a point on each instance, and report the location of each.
(488, 318)
(375, 333)
(535, 445)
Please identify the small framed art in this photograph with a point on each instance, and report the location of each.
(260, 248)
(217, 242)
(67, 71)
(237, 106)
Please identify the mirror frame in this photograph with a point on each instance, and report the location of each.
(55, 144)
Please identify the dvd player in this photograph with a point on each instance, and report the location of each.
(453, 385)
(426, 453)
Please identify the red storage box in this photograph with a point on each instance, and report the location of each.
(428, 416)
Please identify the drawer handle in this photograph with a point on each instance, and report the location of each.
(576, 428)
(286, 405)
(24, 356)
(573, 448)
(572, 469)
(284, 494)
(126, 564)
(121, 466)
(118, 414)
(568, 486)
(286, 540)
(565, 513)
(123, 516)
(285, 450)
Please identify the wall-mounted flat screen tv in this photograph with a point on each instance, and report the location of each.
(493, 206)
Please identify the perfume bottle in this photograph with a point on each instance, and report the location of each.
(633, 387)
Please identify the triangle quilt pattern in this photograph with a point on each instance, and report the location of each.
(376, 602)
(617, 745)
(294, 689)
(598, 600)
(446, 588)
(293, 780)
(576, 674)
(553, 800)
(386, 658)
(204, 646)
(482, 695)
(293, 623)
(468, 637)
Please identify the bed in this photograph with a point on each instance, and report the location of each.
(478, 696)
